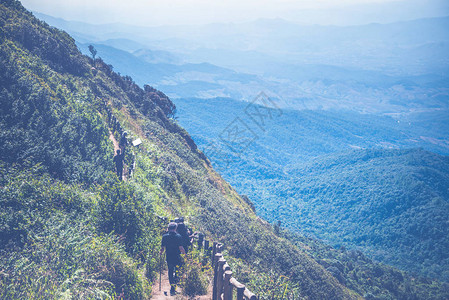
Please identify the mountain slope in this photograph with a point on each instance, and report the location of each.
(69, 229)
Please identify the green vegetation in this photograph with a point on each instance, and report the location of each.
(51, 247)
(370, 279)
(197, 274)
(68, 227)
(391, 204)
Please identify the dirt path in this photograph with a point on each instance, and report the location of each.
(165, 287)
(114, 141)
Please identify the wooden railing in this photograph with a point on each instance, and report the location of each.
(223, 283)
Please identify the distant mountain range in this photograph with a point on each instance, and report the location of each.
(400, 67)
(200, 79)
(281, 41)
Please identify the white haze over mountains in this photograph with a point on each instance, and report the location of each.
(194, 12)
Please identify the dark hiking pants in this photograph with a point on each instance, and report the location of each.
(172, 276)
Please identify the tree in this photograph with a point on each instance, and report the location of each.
(93, 51)
(277, 227)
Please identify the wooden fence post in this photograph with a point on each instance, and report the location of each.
(219, 248)
(214, 248)
(220, 274)
(240, 291)
(223, 282)
(227, 287)
(240, 288)
(217, 257)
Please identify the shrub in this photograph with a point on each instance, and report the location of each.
(67, 260)
(127, 213)
(195, 280)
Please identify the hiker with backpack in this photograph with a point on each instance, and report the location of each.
(173, 245)
(185, 233)
(119, 160)
(123, 142)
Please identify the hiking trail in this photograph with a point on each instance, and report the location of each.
(165, 287)
(114, 141)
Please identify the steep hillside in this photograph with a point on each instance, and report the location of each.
(68, 227)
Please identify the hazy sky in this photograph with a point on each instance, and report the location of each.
(163, 12)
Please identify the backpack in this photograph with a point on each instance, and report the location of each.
(182, 230)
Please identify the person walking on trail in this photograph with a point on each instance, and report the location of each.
(123, 142)
(172, 244)
(183, 231)
(118, 160)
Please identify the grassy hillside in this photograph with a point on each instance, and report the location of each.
(68, 228)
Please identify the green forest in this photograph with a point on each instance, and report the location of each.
(391, 204)
(301, 171)
(70, 229)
